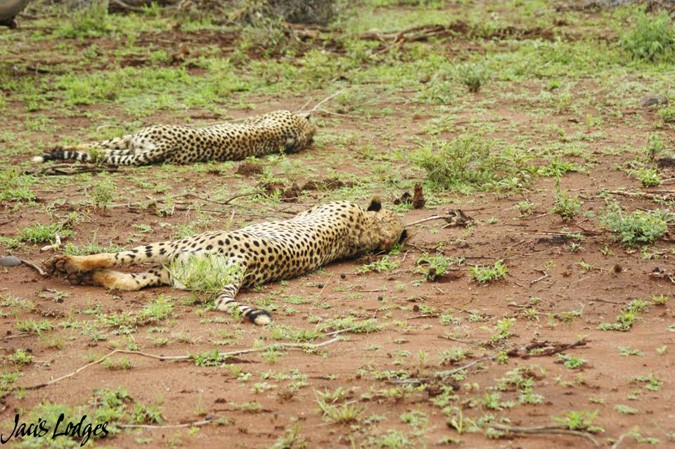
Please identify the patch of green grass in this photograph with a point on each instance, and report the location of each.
(473, 76)
(39, 233)
(637, 228)
(205, 274)
(352, 324)
(379, 266)
(485, 273)
(648, 177)
(103, 191)
(434, 266)
(7, 383)
(33, 327)
(345, 413)
(20, 357)
(570, 362)
(118, 364)
(469, 163)
(91, 21)
(652, 39)
(627, 317)
(579, 420)
(282, 332)
(16, 187)
(565, 205)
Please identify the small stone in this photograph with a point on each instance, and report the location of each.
(653, 100)
(343, 276)
(9, 261)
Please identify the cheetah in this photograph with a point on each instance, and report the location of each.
(256, 136)
(261, 253)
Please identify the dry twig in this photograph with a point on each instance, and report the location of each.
(34, 267)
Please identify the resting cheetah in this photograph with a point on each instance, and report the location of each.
(256, 136)
(264, 252)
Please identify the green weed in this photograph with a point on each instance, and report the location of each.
(579, 420)
(469, 163)
(433, 267)
(485, 273)
(637, 228)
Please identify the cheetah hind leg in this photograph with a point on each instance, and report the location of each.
(226, 302)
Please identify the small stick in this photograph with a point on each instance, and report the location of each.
(459, 340)
(424, 220)
(55, 245)
(342, 331)
(322, 102)
(9, 337)
(468, 365)
(546, 430)
(540, 278)
(419, 317)
(619, 441)
(33, 266)
(173, 426)
(224, 203)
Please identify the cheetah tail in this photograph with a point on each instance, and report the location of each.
(62, 155)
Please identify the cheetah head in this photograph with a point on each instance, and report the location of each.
(304, 131)
(383, 229)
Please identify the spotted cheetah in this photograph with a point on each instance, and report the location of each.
(265, 252)
(256, 136)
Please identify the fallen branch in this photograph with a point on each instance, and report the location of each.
(545, 430)
(221, 356)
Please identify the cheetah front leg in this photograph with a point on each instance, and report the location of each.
(81, 266)
(115, 280)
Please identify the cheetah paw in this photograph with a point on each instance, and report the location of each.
(63, 266)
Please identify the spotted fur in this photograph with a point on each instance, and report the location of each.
(256, 136)
(265, 252)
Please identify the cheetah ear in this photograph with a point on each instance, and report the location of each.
(403, 237)
(306, 115)
(375, 204)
